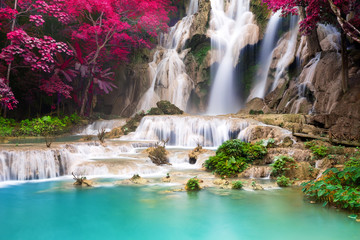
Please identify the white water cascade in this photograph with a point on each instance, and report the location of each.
(306, 84)
(33, 164)
(107, 125)
(288, 57)
(266, 52)
(188, 131)
(232, 27)
(167, 70)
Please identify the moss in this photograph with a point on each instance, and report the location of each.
(201, 53)
(261, 12)
(169, 108)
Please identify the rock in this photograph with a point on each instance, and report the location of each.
(287, 142)
(166, 179)
(158, 155)
(255, 186)
(222, 183)
(168, 108)
(255, 104)
(136, 179)
(155, 111)
(193, 155)
(84, 183)
(114, 133)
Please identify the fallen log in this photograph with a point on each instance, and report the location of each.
(331, 140)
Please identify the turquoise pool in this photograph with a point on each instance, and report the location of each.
(56, 210)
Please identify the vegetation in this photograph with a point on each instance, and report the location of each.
(237, 185)
(233, 157)
(201, 53)
(158, 154)
(193, 184)
(261, 13)
(283, 181)
(281, 165)
(256, 112)
(44, 126)
(337, 188)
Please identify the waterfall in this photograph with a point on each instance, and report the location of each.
(288, 57)
(306, 84)
(266, 52)
(188, 131)
(107, 125)
(34, 164)
(231, 28)
(167, 70)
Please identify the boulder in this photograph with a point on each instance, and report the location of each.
(168, 108)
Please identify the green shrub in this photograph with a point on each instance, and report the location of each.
(193, 184)
(281, 165)
(338, 188)
(6, 126)
(318, 151)
(237, 185)
(233, 156)
(353, 162)
(283, 181)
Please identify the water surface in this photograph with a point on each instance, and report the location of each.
(57, 210)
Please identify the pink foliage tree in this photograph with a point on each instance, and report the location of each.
(7, 99)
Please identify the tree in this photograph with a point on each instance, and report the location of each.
(7, 99)
(109, 29)
(96, 33)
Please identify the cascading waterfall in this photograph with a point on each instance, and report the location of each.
(266, 52)
(107, 125)
(306, 84)
(231, 28)
(167, 70)
(188, 131)
(33, 164)
(289, 55)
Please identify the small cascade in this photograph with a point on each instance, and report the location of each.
(167, 70)
(232, 27)
(288, 57)
(329, 37)
(257, 172)
(306, 84)
(34, 164)
(266, 52)
(43, 164)
(188, 131)
(107, 125)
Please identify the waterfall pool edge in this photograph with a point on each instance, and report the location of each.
(57, 210)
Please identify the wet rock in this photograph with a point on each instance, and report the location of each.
(255, 186)
(193, 155)
(158, 155)
(256, 172)
(168, 108)
(136, 179)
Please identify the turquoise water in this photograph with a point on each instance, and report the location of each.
(56, 210)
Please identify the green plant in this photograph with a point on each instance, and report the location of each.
(338, 188)
(281, 165)
(318, 151)
(193, 184)
(233, 157)
(6, 126)
(283, 181)
(237, 185)
(267, 143)
(353, 162)
(256, 112)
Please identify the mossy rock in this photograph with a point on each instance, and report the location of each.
(155, 111)
(132, 124)
(169, 108)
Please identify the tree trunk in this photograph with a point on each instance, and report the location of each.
(85, 98)
(312, 39)
(345, 63)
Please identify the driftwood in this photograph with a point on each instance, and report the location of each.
(331, 140)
